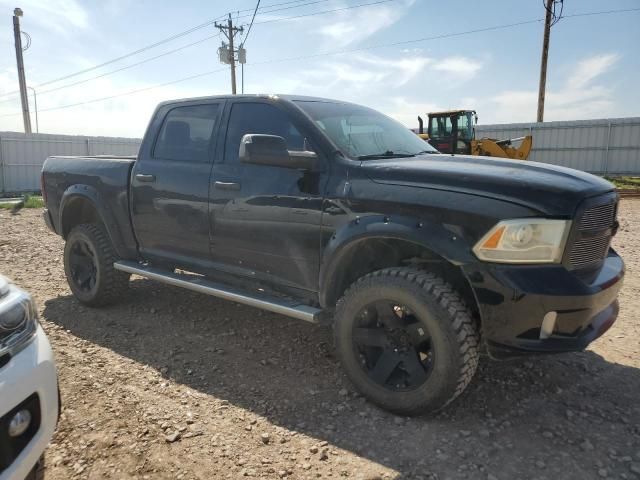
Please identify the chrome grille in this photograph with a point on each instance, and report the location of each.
(598, 218)
(589, 250)
(592, 243)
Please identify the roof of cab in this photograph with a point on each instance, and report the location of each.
(260, 95)
(448, 112)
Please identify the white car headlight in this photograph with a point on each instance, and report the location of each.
(18, 318)
(527, 240)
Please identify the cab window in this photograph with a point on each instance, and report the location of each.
(464, 126)
(441, 126)
(186, 133)
(259, 118)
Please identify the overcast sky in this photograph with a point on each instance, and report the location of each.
(594, 65)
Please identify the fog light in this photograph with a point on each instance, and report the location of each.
(548, 324)
(19, 423)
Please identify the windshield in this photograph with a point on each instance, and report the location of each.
(362, 133)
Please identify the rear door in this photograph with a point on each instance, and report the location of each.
(170, 184)
(265, 219)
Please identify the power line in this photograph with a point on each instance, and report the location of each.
(130, 92)
(166, 40)
(127, 55)
(292, 59)
(300, 16)
(603, 12)
(126, 67)
(555, 17)
(262, 10)
(205, 24)
(405, 42)
(441, 36)
(278, 4)
(197, 27)
(185, 46)
(250, 25)
(135, 52)
(246, 37)
(300, 5)
(324, 12)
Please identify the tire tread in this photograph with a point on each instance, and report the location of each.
(464, 326)
(113, 282)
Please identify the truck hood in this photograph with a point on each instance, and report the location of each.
(548, 188)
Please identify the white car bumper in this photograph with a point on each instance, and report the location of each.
(31, 371)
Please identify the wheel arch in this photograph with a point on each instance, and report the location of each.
(369, 247)
(83, 204)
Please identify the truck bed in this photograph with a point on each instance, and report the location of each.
(101, 178)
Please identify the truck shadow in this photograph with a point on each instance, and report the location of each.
(285, 370)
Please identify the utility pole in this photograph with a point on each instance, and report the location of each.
(230, 35)
(17, 13)
(543, 63)
(230, 31)
(35, 104)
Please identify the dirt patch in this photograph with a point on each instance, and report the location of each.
(171, 384)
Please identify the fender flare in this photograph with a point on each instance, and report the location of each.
(443, 242)
(91, 194)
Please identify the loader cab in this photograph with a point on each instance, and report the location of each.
(452, 131)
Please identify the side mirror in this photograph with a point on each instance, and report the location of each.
(258, 149)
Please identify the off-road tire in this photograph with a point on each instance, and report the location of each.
(110, 284)
(440, 308)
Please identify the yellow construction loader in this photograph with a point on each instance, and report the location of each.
(453, 131)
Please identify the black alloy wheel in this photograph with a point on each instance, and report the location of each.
(83, 265)
(394, 346)
(88, 265)
(406, 339)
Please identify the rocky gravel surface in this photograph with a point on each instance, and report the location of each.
(171, 384)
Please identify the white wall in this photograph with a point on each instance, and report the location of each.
(606, 146)
(22, 155)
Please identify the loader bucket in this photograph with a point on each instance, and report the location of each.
(491, 147)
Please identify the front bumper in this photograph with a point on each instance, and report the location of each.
(514, 300)
(29, 376)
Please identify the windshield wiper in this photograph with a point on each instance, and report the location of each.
(387, 154)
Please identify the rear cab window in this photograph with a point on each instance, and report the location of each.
(186, 133)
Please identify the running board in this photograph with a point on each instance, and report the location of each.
(201, 284)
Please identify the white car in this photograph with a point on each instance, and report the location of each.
(29, 396)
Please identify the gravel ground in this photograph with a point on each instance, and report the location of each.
(171, 384)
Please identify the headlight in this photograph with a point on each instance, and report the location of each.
(528, 240)
(12, 317)
(18, 320)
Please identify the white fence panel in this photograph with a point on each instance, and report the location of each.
(22, 155)
(604, 146)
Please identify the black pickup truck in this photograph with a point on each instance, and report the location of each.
(329, 211)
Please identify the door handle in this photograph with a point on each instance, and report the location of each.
(227, 185)
(141, 177)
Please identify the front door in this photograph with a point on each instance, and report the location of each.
(170, 185)
(265, 220)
